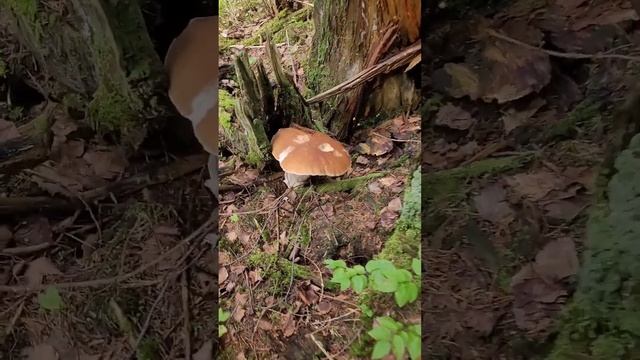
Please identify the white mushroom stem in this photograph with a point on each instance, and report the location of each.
(293, 180)
(212, 182)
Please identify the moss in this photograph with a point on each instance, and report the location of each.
(585, 116)
(148, 349)
(404, 243)
(603, 320)
(277, 270)
(226, 106)
(285, 20)
(348, 184)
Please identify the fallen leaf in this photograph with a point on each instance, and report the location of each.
(244, 177)
(492, 205)
(557, 260)
(241, 298)
(36, 230)
(387, 181)
(395, 204)
(535, 186)
(515, 118)
(8, 131)
(238, 269)
(376, 145)
(63, 126)
(205, 352)
(563, 210)
(50, 299)
(107, 164)
(223, 275)
(362, 160)
(265, 325)
(238, 315)
(388, 218)
(481, 321)
(38, 269)
(254, 276)
(374, 187)
(40, 352)
(288, 325)
(454, 117)
(458, 80)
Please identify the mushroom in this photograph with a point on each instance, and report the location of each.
(303, 153)
(191, 63)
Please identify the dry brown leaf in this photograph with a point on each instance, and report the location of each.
(557, 260)
(107, 164)
(458, 80)
(241, 298)
(387, 181)
(238, 315)
(362, 160)
(563, 210)
(515, 118)
(36, 230)
(8, 131)
(482, 322)
(388, 218)
(255, 276)
(223, 275)
(395, 205)
(492, 205)
(374, 187)
(454, 117)
(288, 325)
(38, 269)
(376, 145)
(238, 269)
(265, 325)
(244, 177)
(536, 186)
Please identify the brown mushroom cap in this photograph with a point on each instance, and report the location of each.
(192, 66)
(308, 152)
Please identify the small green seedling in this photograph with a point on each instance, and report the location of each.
(379, 275)
(223, 316)
(234, 218)
(396, 337)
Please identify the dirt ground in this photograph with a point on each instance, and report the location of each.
(513, 140)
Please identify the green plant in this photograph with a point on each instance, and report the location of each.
(378, 275)
(396, 337)
(50, 299)
(223, 316)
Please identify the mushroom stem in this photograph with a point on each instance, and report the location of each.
(212, 182)
(293, 180)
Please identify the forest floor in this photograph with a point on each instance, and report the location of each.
(100, 253)
(513, 140)
(274, 283)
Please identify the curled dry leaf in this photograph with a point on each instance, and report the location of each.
(38, 269)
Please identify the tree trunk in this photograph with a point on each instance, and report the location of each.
(96, 57)
(351, 36)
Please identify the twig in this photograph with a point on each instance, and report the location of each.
(570, 55)
(400, 59)
(200, 232)
(185, 313)
(394, 140)
(25, 250)
(22, 205)
(145, 326)
(321, 347)
(14, 318)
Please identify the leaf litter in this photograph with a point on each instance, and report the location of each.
(508, 239)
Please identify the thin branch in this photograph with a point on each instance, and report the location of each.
(559, 54)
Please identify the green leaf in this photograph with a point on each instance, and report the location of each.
(381, 349)
(416, 266)
(335, 264)
(366, 310)
(414, 345)
(380, 333)
(416, 329)
(389, 323)
(234, 218)
(221, 330)
(50, 299)
(339, 276)
(406, 293)
(384, 265)
(401, 275)
(359, 282)
(398, 346)
(344, 285)
(380, 282)
(359, 269)
(223, 315)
